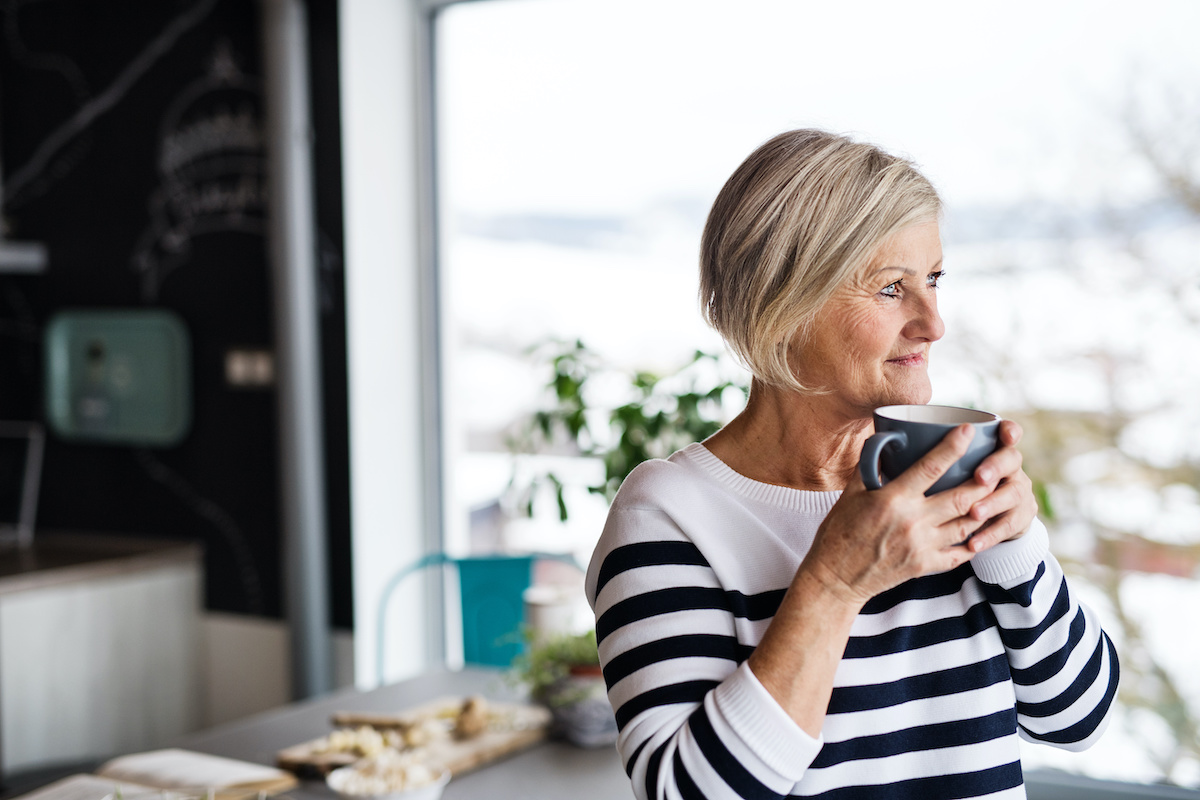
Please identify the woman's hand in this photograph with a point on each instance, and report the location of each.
(872, 541)
(869, 542)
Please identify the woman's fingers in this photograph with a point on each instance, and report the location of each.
(934, 464)
(952, 504)
(1008, 495)
(1010, 433)
(1002, 471)
(1009, 525)
(1008, 512)
(1006, 460)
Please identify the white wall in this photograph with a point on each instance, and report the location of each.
(387, 361)
(246, 665)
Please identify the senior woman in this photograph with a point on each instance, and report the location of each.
(767, 625)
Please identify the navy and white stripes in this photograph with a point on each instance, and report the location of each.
(940, 676)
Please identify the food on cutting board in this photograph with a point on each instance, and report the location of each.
(367, 741)
(472, 719)
(457, 733)
(385, 773)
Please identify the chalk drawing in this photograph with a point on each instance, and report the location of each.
(27, 174)
(211, 165)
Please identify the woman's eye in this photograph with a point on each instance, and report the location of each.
(896, 290)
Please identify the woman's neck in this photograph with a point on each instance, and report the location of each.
(788, 439)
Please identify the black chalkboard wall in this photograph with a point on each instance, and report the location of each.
(131, 144)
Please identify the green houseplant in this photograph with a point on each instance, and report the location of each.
(644, 415)
(547, 660)
(562, 671)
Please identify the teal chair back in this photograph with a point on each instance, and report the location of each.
(490, 590)
(490, 595)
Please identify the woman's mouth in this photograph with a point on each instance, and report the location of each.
(910, 360)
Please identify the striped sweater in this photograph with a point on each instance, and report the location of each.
(940, 676)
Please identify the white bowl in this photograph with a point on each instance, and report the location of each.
(339, 779)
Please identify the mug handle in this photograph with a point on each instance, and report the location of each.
(868, 462)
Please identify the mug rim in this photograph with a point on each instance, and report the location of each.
(972, 416)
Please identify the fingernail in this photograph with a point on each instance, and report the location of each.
(979, 512)
(985, 475)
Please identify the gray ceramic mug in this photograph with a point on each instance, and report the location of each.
(903, 434)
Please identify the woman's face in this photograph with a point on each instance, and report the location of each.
(869, 344)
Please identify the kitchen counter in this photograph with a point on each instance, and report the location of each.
(99, 647)
(59, 558)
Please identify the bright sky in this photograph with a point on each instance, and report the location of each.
(988, 97)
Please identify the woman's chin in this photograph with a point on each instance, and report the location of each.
(910, 396)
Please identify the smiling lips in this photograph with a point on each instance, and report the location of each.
(910, 360)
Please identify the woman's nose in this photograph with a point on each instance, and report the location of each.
(926, 323)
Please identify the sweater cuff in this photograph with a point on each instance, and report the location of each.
(1015, 558)
(767, 730)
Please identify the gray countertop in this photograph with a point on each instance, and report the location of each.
(547, 770)
(56, 558)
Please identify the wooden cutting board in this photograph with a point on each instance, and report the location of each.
(512, 727)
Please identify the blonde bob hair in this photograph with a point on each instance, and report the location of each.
(800, 217)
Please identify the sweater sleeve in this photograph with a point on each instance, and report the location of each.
(1064, 667)
(694, 721)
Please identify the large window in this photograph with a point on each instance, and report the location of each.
(582, 142)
